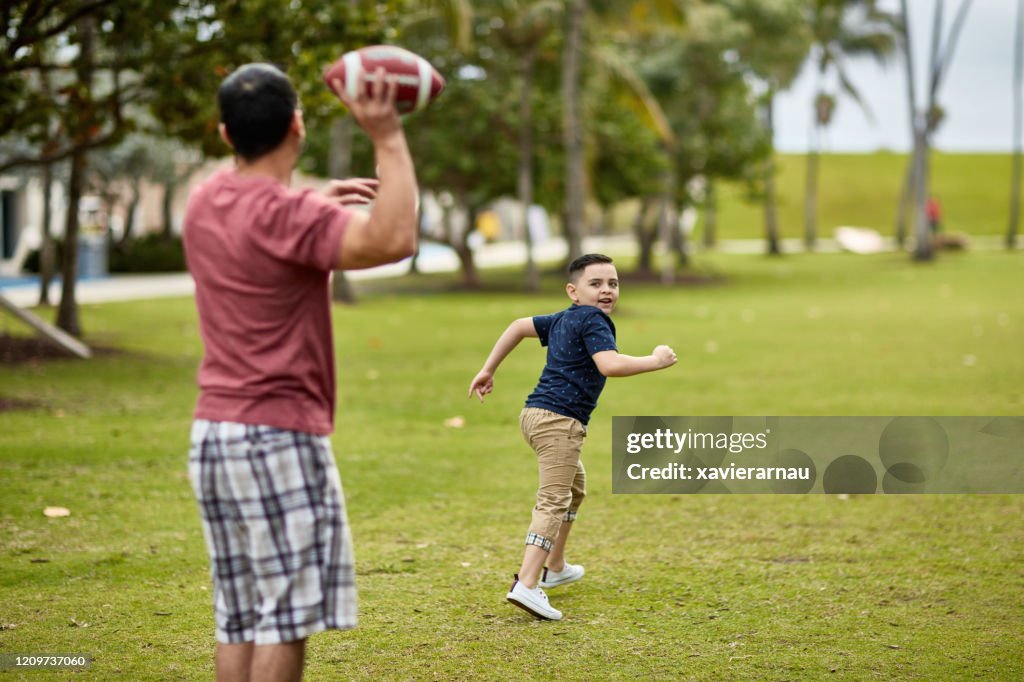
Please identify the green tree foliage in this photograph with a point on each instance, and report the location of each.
(212, 39)
(841, 29)
(694, 72)
(75, 70)
(464, 144)
(776, 45)
(79, 76)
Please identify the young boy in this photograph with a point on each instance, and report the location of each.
(581, 353)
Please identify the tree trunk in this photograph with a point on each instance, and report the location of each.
(920, 126)
(467, 264)
(67, 313)
(573, 127)
(47, 249)
(341, 288)
(922, 121)
(771, 219)
(167, 209)
(644, 239)
(710, 215)
(668, 222)
(679, 243)
(339, 165)
(339, 158)
(906, 203)
(524, 180)
(915, 183)
(811, 198)
(923, 250)
(1018, 119)
(129, 217)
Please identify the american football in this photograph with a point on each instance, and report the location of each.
(419, 83)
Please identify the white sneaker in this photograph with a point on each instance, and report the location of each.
(533, 601)
(570, 573)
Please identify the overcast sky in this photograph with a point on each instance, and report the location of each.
(976, 94)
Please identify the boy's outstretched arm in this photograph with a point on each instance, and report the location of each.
(483, 382)
(612, 363)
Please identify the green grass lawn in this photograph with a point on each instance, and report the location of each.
(677, 587)
(863, 190)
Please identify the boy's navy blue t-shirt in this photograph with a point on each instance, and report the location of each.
(571, 383)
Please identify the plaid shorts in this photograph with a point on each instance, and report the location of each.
(276, 531)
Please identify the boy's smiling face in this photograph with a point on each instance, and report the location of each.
(597, 285)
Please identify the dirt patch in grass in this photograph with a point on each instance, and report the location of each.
(18, 350)
(15, 350)
(12, 404)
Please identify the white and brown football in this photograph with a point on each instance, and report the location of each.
(419, 83)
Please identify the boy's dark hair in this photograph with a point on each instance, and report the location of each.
(577, 267)
(257, 102)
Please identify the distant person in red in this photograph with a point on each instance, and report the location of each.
(933, 210)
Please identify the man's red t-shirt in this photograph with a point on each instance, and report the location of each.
(261, 255)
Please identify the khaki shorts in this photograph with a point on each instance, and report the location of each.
(557, 440)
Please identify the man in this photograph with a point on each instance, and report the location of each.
(260, 462)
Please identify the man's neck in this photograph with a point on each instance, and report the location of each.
(278, 164)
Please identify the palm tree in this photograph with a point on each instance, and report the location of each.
(925, 121)
(841, 29)
(641, 16)
(572, 56)
(525, 25)
(777, 46)
(1018, 114)
(577, 49)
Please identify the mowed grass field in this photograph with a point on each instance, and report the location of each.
(677, 587)
(863, 190)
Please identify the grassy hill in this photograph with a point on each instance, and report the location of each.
(863, 190)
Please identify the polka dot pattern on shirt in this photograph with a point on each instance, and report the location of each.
(571, 383)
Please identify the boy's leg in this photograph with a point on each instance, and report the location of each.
(557, 441)
(556, 558)
(533, 561)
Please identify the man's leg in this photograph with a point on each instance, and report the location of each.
(233, 662)
(278, 662)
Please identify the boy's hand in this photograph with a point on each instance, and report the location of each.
(665, 355)
(482, 384)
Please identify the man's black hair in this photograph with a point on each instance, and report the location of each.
(257, 103)
(581, 263)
